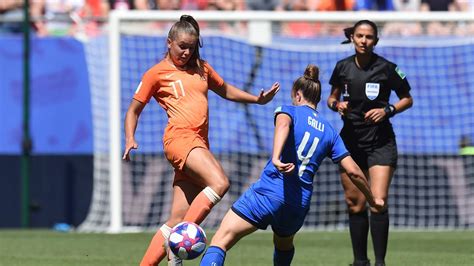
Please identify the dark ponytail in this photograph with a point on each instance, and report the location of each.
(348, 32)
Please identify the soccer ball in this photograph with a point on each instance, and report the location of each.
(187, 240)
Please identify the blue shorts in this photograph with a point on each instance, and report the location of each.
(261, 211)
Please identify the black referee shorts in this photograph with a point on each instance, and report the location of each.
(371, 146)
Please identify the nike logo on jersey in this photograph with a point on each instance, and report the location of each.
(169, 75)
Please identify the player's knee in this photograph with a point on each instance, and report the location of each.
(355, 205)
(283, 243)
(220, 185)
(284, 246)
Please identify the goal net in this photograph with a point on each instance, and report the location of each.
(433, 186)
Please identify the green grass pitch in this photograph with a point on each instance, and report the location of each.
(49, 248)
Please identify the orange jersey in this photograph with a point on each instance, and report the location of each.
(181, 93)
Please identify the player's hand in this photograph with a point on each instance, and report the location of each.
(284, 168)
(129, 145)
(375, 115)
(266, 96)
(343, 107)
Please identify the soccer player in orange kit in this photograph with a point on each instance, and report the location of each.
(180, 83)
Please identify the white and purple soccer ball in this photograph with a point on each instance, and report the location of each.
(187, 240)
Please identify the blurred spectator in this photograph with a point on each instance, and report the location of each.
(465, 28)
(439, 28)
(57, 16)
(194, 4)
(90, 18)
(293, 5)
(94, 9)
(297, 28)
(11, 10)
(465, 5)
(438, 5)
(11, 15)
(225, 26)
(404, 28)
(118, 5)
(263, 4)
(407, 5)
(155, 26)
(376, 5)
(225, 5)
(328, 28)
(333, 5)
(158, 4)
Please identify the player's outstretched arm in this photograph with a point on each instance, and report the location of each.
(232, 93)
(282, 130)
(131, 121)
(358, 178)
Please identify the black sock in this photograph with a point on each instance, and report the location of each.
(283, 257)
(359, 229)
(379, 223)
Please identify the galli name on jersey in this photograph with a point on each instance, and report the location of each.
(316, 124)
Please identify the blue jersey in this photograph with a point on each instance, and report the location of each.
(311, 139)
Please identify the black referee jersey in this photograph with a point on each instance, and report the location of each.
(367, 88)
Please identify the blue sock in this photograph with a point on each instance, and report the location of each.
(283, 257)
(214, 255)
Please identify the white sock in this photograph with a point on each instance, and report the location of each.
(173, 260)
(165, 231)
(211, 195)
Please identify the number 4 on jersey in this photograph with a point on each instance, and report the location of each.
(305, 159)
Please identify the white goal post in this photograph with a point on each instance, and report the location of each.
(258, 33)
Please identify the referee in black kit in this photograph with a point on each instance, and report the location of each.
(365, 80)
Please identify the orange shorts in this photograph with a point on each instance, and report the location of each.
(178, 144)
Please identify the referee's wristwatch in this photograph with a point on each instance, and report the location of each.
(334, 106)
(390, 110)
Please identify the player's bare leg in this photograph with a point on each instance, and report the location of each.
(190, 201)
(231, 230)
(183, 194)
(205, 170)
(379, 222)
(284, 250)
